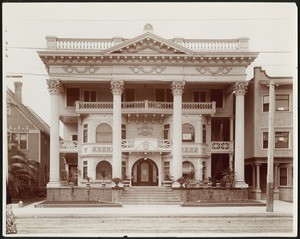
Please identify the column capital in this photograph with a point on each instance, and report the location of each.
(117, 87)
(54, 86)
(240, 88)
(177, 87)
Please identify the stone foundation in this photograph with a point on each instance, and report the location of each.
(73, 194)
(210, 194)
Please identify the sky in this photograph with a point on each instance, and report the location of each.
(271, 28)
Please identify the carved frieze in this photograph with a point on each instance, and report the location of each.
(117, 87)
(177, 87)
(145, 130)
(54, 86)
(240, 88)
(220, 70)
(147, 70)
(77, 69)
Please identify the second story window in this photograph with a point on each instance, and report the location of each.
(217, 96)
(281, 140)
(188, 133)
(90, 96)
(20, 139)
(85, 133)
(103, 133)
(163, 95)
(72, 96)
(281, 102)
(199, 96)
(204, 133)
(123, 131)
(166, 131)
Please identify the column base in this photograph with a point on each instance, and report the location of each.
(240, 184)
(54, 184)
(256, 194)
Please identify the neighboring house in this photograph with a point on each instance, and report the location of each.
(29, 131)
(256, 150)
(147, 106)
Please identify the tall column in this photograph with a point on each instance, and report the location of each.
(231, 162)
(54, 87)
(258, 177)
(253, 177)
(240, 90)
(177, 90)
(231, 129)
(117, 90)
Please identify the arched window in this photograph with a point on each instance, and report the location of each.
(103, 171)
(104, 133)
(187, 169)
(188, 133)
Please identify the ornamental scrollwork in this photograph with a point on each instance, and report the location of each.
(54, 86)
(90, 69)
(156, 69)
(240, 88)
(117, 87)
(177, 87)
(145, 130)
(220, 70)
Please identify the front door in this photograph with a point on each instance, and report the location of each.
(144, 173)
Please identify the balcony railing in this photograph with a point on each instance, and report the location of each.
(146, 145)
(96, 149)
(222, 146)
(146, 107)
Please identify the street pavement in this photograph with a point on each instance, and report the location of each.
(156, 220)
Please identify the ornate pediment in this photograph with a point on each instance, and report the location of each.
(148, 43)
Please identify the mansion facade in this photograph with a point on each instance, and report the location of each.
(147, 107)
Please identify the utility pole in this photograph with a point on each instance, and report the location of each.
(270, 179)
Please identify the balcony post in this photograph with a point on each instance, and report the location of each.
(54, 87)
(276, 190)
(231, 129)
(117, 90)
(177, 90)
(240, 89)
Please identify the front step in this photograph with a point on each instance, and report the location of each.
(149, 196)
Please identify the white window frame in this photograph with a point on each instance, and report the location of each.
(279, 93)
(19, 139)
(88, 90)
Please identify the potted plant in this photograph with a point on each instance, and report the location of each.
(228, 177)
(168, 180)
(104, 173)
(181, 181)
(63, 177)
(116, 181)
(209, 184)
(88, 181)
(191, 179)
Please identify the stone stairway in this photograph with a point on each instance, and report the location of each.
(149, 195)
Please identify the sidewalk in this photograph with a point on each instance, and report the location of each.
(280, 208)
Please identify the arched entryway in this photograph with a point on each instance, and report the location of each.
(144, 173)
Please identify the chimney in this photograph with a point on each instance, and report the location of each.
(18, 91)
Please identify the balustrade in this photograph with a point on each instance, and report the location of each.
(68, 145)
(212, 45)
(222, 146)
(83, 44)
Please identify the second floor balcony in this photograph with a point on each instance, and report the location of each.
(146, 106)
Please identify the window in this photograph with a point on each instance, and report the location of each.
(283, 176)
(90, 96)
(204, 133)
(124, 170)
(85, 133)
(72, 96)
(104, 133)
(20, 139)
(128, 95)
(166, 169)
(123, 131)
(103, 171)
(200, 96)
(217, 96)
(203, 170)
(188, 133)
(163, 95)
(74, 137)
(281, 103)
(85, 165)
(166, 131)
(281, 140)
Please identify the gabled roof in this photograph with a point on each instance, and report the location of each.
(28, 112)
(148, 41)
